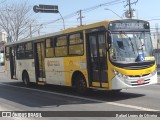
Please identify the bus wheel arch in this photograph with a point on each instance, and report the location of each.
(25, 78)
(79, 82)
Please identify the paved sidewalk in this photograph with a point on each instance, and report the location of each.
(2, 69)
(158, 78)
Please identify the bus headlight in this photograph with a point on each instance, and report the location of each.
(120, 75)
(154, 72)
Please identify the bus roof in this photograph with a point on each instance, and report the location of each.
(69, 30)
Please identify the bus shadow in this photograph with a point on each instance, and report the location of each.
(53, 95)
(110, 96)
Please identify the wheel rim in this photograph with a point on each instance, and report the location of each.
(81, 86)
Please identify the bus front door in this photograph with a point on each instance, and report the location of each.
(97, 59)
(39, 62)
(12, 54)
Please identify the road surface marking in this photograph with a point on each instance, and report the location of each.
(88, 99)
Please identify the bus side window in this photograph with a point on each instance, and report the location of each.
(61, 46)
(49, 48)
(28, 50)
(20, 51)
(75, 44)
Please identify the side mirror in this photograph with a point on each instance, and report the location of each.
(109, 37)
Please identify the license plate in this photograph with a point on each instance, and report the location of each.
(140, 81)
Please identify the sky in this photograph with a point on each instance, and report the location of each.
(145, 9)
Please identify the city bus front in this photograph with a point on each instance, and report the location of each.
(131, 54)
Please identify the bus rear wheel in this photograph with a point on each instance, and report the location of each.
(25, 79)
(80, 84)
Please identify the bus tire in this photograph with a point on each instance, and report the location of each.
(80, 85)
(25, 78)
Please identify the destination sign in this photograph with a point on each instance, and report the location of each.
(128, 25)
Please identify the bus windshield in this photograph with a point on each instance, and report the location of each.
(130, 47)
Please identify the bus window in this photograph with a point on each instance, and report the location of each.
(49, 48)
(20, 51)
(75, 44)
(28, 50)
(61, 46)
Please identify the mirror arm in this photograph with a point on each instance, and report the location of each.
(109, 46)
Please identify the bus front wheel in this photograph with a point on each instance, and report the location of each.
(81, 86)
(25, 79)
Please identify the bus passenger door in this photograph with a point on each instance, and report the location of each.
(12, 54)
(97, 59)
(39, 62)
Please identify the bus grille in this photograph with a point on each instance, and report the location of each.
(134, 83)
(139, 75)
(137, 67)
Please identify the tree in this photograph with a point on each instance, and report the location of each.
(17, 20)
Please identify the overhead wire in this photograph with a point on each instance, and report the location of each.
(100, 5)
(85, 11)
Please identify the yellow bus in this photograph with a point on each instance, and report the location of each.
(111, 55)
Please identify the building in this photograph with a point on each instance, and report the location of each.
(156, 47)
(154, 41)
(3, 36)
(3, 40)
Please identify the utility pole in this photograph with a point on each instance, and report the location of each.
(157, 35)
(80, 17)
(129, 12)
(130, 9)
(80, 13)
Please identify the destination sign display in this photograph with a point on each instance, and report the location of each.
(128, 25)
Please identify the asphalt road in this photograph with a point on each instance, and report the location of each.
(14, 96)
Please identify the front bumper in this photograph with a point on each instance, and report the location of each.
(131, 82)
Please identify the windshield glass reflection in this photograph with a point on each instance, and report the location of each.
(131, 47)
